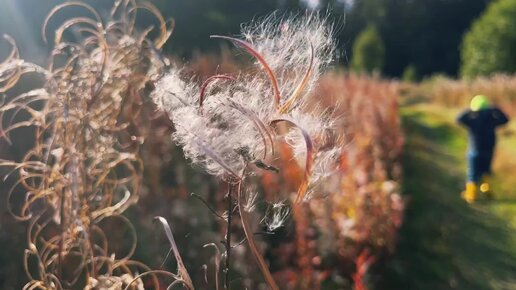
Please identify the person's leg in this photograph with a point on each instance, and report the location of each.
(476, 167)
(489, 161)
(473, 176)
(486, 160)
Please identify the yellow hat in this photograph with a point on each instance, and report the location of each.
(479, 102)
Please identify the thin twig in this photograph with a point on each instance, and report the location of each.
(207, 205)
(228, 237)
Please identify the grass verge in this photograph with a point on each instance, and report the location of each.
(445, 243)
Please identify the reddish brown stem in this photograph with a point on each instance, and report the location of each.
(303, 188)
(270, 73)
(251, 242)
(207, 82)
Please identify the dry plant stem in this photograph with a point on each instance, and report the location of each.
(207, 82)
(217, 263)
(62, 215)
(252, 244)
(228, 236)
(182, 272)
(287, 106)
(61, 242)
(300, 213)
(215, 213)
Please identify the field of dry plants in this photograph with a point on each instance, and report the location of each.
(442, 90)
(127, 170)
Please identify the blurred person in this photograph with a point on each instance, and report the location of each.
(481, 120)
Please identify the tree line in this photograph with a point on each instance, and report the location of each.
(415, 38)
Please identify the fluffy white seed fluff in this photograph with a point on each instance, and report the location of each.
(277, 216)
(287, 45)
(234, 125)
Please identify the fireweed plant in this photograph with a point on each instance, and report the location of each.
(232, 125)
(84, 169)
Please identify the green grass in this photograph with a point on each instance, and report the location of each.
(446, 243)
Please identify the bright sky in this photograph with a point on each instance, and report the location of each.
(13, 23)
(314, 3)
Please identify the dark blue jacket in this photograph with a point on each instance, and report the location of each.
(481, 127)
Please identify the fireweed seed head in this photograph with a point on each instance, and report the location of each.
(226, 122)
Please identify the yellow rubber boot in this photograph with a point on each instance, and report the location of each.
(485, 188)
(470, 194)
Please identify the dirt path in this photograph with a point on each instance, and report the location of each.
(445, 243)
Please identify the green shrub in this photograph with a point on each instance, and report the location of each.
(490, 43)
(368, 51)
(410, 74)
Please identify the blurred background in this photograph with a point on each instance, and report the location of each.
(403, 71)
(423, 36)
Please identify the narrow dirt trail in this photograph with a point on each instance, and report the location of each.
(446, 243)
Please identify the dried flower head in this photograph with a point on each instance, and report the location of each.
(231, 124)
(85, 165)
(228, 123)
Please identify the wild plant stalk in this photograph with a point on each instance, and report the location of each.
(231, 125)
(85, 165)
